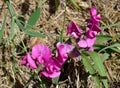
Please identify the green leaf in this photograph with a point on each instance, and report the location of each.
(104, 57)
(34, 34)
(2, 28)
(103, 38)
(111, 46)
(98, 46)
(55, 80)
(74, 4)
(114, 49)
(91, 70)
(111, 25)
(33, 19)
(98, 63)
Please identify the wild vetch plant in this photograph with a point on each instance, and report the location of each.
(41, 55)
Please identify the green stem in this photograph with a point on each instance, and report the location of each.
(36, 72)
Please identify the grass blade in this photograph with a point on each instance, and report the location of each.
(74, 4)
(3, 27)
(12, 28)
(10, 8)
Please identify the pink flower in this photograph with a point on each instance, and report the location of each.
(87, 43)
(95, 18)
(74, 30)
(91, 34)
(63, 50)
(53, 66)
(51, 69)
(42, 53)
(28, 61)
(96, 28)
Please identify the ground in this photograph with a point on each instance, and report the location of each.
(52, 20)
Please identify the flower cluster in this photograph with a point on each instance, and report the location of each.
(42, 54)
(91, 31)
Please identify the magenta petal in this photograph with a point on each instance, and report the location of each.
(82, 43)
(93, 11)
(41, 51)
(63, 50)
(36, 51)
(31, 62)
(24, 60)
(62, 53)
(91, 48)
(74, 30)
(90, 41)
(94, 17)
(40, 60)
(91, 33)
(98, 17)
(96, 28)
(67, 47)
(53, 75)
(52, 68)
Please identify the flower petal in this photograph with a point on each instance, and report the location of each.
(91, 34)
(24, 60)
(74, 30)
(63, 50)
(53, 75)
(31, 62)
(82, 43)
(93, 11)
(41, 52)
(90, 41)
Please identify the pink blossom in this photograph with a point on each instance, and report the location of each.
(28, 61)
(74, 30)
(95, 18)
(87, 43)
(42, 53)
(96, 28)
(51, 69)
(63, 50)
(91, 34)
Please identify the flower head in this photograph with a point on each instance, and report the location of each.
(51, 69)
(63, 50)
(87, 43)
(42, 53)
(28, 61)
(95, 18)
(74, 30)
